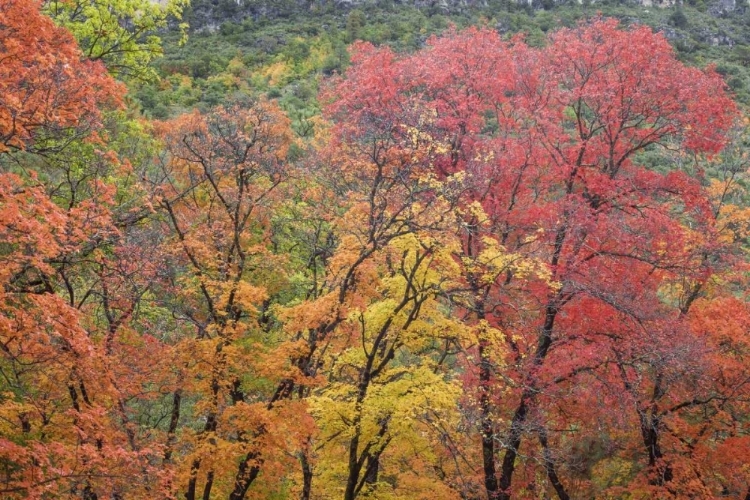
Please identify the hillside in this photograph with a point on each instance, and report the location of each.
(283, 48)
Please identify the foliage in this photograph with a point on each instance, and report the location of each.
(263, 33)
(565, 257)
(46, 86)
(224, 171)
(121, 33)
(492, 267)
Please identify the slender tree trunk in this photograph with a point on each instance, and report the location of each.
(209, 484)
(192, 482)
(307, 476)
(173, 421)
(662, 471)
(519, 417)
(549, 467)
(514, 442)
(246, 474)
(487, 427)
(371, 471)
(354, 463)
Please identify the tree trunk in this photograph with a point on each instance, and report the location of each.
(488, 429)
(307, 476)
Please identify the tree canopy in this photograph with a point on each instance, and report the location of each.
(490, 270)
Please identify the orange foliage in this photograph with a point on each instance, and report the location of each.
(46, 84)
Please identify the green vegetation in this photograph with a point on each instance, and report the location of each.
(282, 49)
(120, 33)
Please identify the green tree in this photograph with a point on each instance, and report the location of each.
(355, 21)
(120, 33)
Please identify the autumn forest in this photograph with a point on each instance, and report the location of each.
(489, 269)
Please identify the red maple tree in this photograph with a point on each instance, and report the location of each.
(547, 142)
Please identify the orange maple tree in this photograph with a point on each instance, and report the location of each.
(226, 173)
(47, 85)
(68, 290)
